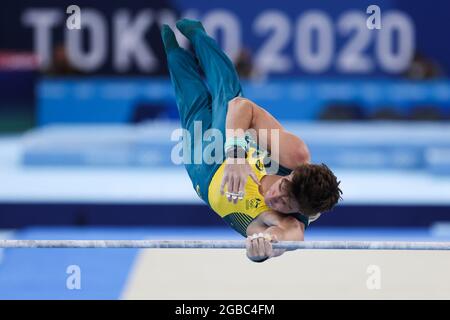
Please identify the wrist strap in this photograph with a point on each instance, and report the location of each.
(232, 142)
(236, 152)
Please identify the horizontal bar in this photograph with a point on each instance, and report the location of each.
(225, 244)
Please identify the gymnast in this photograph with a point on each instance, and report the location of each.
(267, 194)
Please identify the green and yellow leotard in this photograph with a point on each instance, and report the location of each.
(241, 214)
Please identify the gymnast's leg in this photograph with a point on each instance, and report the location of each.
(220, 73)
(192, 95)
(194, 105)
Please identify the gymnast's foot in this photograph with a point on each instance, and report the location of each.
(189, 27)
(168, 37)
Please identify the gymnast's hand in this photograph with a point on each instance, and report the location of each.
(259, 246)
(235, 177)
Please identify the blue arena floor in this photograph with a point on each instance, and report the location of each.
(41, 273)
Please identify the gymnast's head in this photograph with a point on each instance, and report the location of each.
(309, 189)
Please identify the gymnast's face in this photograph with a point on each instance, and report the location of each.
(278, 198)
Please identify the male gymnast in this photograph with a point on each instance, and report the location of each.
(267, 207)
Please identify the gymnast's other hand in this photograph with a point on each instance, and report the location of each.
(235, 177)
(259, 246)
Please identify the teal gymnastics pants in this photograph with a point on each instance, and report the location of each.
(200, 100)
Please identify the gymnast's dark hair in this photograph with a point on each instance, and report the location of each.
(315, 188)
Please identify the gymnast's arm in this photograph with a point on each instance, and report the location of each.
(269, 227)
(245, 114)
(289, 150)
